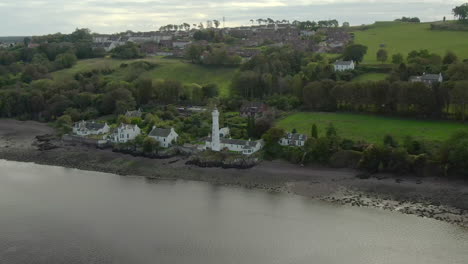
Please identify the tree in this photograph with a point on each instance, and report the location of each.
(450, 58)
(331, 131)
(459, 97)
(390, 141)
(382, 55)
(65, 60)
(216, 23)
(64, 124)
(355, 52)
(346, 24)
(397, 58)
(128, 51)
(194, 52)
(150, 145)
(461, 12)
(26, 41)
(314, 132)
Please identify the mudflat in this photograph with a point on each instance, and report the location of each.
(438, 198)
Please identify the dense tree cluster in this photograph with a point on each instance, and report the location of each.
(409, 19)
(49, 53)
(91, 94)
(211, 55)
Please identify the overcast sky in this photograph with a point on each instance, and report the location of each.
(35, 17)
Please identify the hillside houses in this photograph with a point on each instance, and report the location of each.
(165, 136)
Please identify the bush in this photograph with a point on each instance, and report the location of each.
(345, 159)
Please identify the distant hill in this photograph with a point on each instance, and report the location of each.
(400, 37)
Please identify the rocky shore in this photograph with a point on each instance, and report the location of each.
(436, 198)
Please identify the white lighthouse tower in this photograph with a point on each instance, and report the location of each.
(215, 141)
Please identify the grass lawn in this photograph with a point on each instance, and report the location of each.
(370, 77)
(167, 69)
(370, 128)
(400, 37)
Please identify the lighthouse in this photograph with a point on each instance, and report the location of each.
(215, 141)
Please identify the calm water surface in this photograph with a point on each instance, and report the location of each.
(57, 215)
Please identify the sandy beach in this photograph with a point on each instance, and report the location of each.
(438, 198)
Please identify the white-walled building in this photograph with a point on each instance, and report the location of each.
(295, 139)
(217, 142)
(125, 133)
(165, 136)
(344, 66)
(87, 128)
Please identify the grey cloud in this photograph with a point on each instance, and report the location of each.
(32, 17)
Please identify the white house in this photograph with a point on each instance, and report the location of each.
(165, 136)
(216, 142)
(344, 65)
(86, 128)
(295, 139)
(125, 133)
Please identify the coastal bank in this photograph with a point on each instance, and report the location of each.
(438, 198)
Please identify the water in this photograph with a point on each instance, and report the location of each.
(57, 215)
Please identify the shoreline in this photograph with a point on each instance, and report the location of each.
(436, 198)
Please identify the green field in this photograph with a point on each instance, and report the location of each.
(370, 77)
(166, 69)
(370, 128)
(400, 37)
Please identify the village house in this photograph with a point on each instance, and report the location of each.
(180, 44)
(134, 114)
(253, 109)
(217, 143)
(344, 66)
(87, 128)
(293, 139)
(125, 133)
(429, 79)
(165, 136)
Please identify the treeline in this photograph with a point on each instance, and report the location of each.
(409, 19)
(312, 25)
(96, 93)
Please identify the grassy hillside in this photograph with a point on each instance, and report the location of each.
(165, 69)
(402, 38)
(371, 128)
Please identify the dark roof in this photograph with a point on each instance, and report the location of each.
(160, 132)
(253, 107)
(241, 142)
(91, 125)
(296, 136)
(343, 63)
(426, 78)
